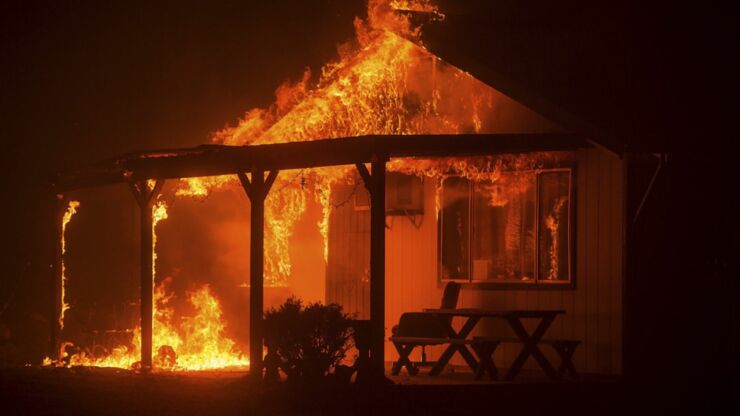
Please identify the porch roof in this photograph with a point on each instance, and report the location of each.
(210, 160)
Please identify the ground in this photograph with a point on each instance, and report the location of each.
(27, 391)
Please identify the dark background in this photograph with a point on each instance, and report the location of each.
(82, 81)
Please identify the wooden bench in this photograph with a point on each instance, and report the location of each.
(405, 345)
(484, 348)
(564, 348)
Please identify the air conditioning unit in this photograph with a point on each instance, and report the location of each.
(404, 195)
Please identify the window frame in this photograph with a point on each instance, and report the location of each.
(536, 283)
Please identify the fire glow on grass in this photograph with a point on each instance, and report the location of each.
(382, 83)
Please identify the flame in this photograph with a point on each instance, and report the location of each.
(66, 218)
(552, 223)
(282, 210)
(201, 187)
(159, 213)
(197, 343)
(418, 5)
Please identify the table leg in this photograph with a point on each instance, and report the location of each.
(468, 356)
(485, 352)
(404, 350)
(442, 361)
(530, 347)
(452, 348)
(565, 351)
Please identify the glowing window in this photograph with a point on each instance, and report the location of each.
(514, 230)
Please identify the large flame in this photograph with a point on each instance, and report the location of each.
(383, 84)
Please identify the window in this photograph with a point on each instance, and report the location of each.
(515, 230)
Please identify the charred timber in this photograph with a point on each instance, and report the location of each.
(56, 277)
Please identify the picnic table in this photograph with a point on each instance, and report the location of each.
(530, 341)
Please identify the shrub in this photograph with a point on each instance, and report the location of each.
(310, 340)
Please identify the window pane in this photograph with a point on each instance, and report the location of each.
(554, 225)
(455, 228)
(503, 228)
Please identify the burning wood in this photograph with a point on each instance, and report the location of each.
(66, 218)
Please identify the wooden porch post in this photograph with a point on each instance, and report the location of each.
(377, 265)
(375, 183)
(256, 190)
(145, 199)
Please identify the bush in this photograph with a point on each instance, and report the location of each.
(309, 341)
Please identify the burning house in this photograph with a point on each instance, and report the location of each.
(371, 185)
